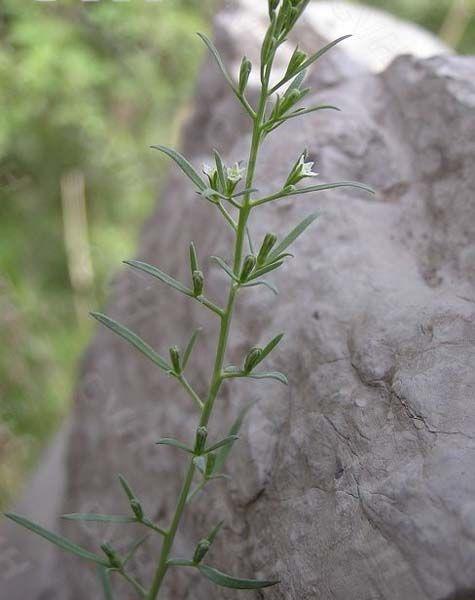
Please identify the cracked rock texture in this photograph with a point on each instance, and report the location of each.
(358, 479)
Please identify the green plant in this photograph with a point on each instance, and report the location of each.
(220, 186)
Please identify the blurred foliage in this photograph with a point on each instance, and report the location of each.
(85, 88)
(435, 15)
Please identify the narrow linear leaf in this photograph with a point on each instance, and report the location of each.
(227, 581)
(270, 346)
(229, 440)
(310, 61)
(214, 532)
(135, 547)
(222, 455)
(272, 287)
(266, 269)
(57, 540)
(99, 518)
(330, 186)
(175, 443)
(226, 268)
(151, 270)
(214, 51)
(220, 169)
(306, 111)
(132, 338)
(296, 83)
(269, 375)
(104, 578)
(129, 492)
(323, 51)
(190, 346)
(244, 192)
(249, 241)
(292, 236)
(184, 165)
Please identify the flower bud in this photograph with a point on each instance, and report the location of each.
(114, 559)
(201, 550)
(297, 60)
(210, 464)
(198, 283)
(175, 358)
(201, 436)
(137, 509)
(247, 267)
(246, 68)
(193, 258)
(267, 245)
(252, 359)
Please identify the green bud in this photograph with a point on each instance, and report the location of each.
(137, 509)
(297, 60)
(267, 245)
(201, 550)
(247, 267)
(273, 4)
(193, 258)
(114, 559)
(246, 68)
(252, 359)
(175, 358)
(198, 283)
(201, 436)
(210, 463)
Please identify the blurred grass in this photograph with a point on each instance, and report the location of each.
(86, 88)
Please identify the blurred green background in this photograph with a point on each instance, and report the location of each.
(85, 89)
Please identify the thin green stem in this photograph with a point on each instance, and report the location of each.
(182, 379)
(133, 582)
(226, 318)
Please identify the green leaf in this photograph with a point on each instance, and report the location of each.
(214, 532)
(270, 346)
(106, 582)
(262, 282)
(266, 269)
(193, 258)
(304, 111)
(175, 443)
(330, 186)
(190, 346)
(228, 440)
(225, 267)
(129, 492)
(184, 165)
(220, 169)
(151, 270)
(99, 518)
(58, 540)
(227, 581)
(132, 338)
(135, 547)
(214, 51)
(269, 375)
(292, 236)
(223, 454)
(310, 60)
(323, 51)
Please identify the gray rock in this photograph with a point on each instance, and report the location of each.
(358, 480)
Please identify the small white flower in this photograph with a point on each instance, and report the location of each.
(306, 167)
(235, 173)
(209, 170)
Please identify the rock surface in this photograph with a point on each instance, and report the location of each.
(358, 480)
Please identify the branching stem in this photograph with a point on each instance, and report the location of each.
(226, 318)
